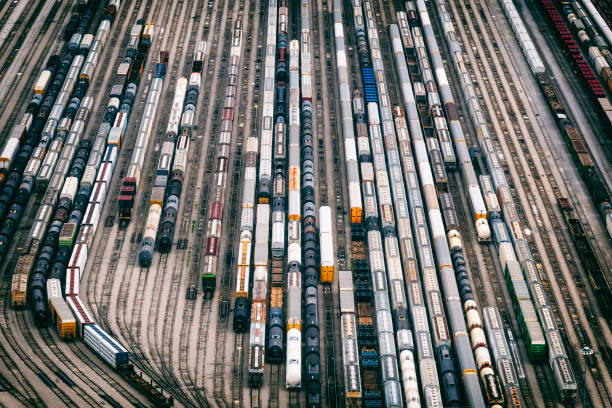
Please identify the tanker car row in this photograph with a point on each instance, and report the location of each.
(215, 211)
(314, 255)
(170, 172)
(582, 157)
(521, 273)
(171, 167)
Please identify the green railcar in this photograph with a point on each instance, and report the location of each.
(68, 235)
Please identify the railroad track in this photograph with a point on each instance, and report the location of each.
(294, 399)
(48, 363)
(23, 388)
(255, 397)
(13, 41)
(15, 103)
(237, 370)
(521, 129)
(52, 345)
(5, 13)
(274, 370)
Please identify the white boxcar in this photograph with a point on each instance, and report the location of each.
(82, 315)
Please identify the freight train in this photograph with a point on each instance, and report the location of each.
(590, 39)
(275, 318)
(215, 211)
(357, 148)
(83, 182)
(600, 16)
(513, 249)
(590, 262)
(576, 143)
(348, 333)
(594, 45)
(276, 330)
(257, 334)
(293, 295)
(127, 191)
(261, 233)
(442, 343)
(391, 232)
(472, 190)
(302, 125)
(177, 178)
(500, 351)
(272, 154)
(162, 174)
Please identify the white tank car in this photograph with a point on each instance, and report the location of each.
(294, 359)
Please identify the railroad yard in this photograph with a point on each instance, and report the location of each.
(306, 203)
